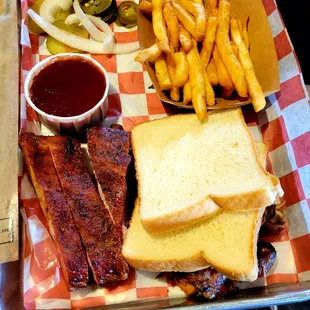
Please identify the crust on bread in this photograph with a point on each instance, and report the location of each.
(181, 218)
(189, 264)
(256, 199)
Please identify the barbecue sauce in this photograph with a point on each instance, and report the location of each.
(68, 87)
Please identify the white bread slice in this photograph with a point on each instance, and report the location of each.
(228, 241)
(188, 171)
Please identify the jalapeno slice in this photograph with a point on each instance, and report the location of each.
(127, 13)
(56, 47)
(95, 7)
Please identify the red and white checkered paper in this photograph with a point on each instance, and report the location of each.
(284, 125)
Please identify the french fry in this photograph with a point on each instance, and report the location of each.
(198, 11)
(223, 75)
(149, 54)
(254, 87)
(245, 36)
(185, 39)
(146, 7)
(210, 96)
(187, 92)
(211, 7)
(235, 48)
(196, 77)
(212, 73)
(174, 91)
(159, 26)
(162, 74)
(172, 24)
(225, 49)
(208, 43)
(198, 1)
(187, 20)
(181, 69)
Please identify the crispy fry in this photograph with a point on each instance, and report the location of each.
(211, 7)
(212, 73)
(185, 39)
(181, 69)
(149, 54)
(210, 95)
(235, 49)
(159, 26)
(198, 1)
(175, 91)
(223, 75)
(146, 7)
(172, 24)
(187, 92)
(208, 43)
(196, 77)
(209, 92)
(162, 73)
(225, 49)
(255, 89)
(245, 36)
(198, 11)
(187, 20)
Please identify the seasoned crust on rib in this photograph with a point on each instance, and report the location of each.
(56, 210)
(102, 241)
(109, 153)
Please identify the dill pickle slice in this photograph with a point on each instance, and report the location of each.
(62, 15)
(56, 47)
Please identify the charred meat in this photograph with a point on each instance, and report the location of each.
(266, 256)
(273, 220)
(109, 153)
(57, 212)
(102, 241)
(207, 283)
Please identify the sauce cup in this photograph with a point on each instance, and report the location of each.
(72, 125)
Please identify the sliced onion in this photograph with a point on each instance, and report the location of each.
(88, 25)
(97, 21)
(50, 8)
(109, 43)
(83, 44)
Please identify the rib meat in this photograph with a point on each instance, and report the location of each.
(109, 153)
(102, 241)
(207, 283)
(56, 210)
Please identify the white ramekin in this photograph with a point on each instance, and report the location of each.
(75, 124)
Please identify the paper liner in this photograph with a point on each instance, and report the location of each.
(284, 125)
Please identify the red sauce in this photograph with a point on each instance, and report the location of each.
(68, 87)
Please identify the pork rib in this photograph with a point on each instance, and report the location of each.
(102, 241)
(56, 210)
(108, 149)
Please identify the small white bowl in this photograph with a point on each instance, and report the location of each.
(72, 125)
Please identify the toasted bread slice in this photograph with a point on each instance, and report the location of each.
(188, 171)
